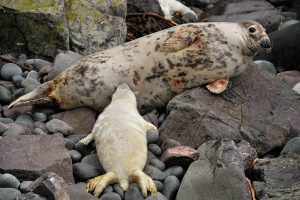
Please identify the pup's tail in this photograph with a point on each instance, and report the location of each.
(37, 96)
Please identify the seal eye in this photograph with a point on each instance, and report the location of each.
(252, 30)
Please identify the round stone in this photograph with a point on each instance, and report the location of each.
(39, 131)
(9, 193)
(158, 164)
(9, 70)
(56, 125)
(24, 185)
(5, 95)
(17, 80)
(133, 193)
(177, 171)
(159, 185)
(111, 196)
(157, 196)
(169, 143)
(6, 120)
(152, 136)
(9, 181)
(75, 156)
(92, 159)
(292, 146)
(84, 172)
(17, 93)
(25, 117)
(70, 145)
(154, 173)
(171, 186)
(108, 189)
(118, 190)
(29, 84)
(40, 117)
(155, 149)
(33, 75)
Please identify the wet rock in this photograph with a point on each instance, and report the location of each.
(24, 185)
(75, 156)
(277, 178)
(6, 120)
(8, 85)
(41, 117)
(40, 125)
(50, 186)
(82, 149)
(13, 113)
(108, 189)
(38, 131)
(118, 190)
(249, 109)
(220, 165)
(266, 66)
(69, 144)
(25, 117)
(3, 128)
(157, 196)
(9, 70)
(290, 77)
(30, 196)
(9, 193)
(171, 185)
(58, 126)
(152, 117)
(29, 84)
(34, 155)
(168, 143)
(33, 75)
(16, 130)
(150, 156)
(285, 49)
(152, 136)
(17, 80)
(84, 171)
(110, 196)
(260, 11)
(37, 64)
(154, 173)
(92, 159)
(62, 62)
(133, 193)
(159, 185)
(180, 155)
(76, 193)
(5, 95)
(158, 164)
(155, 149)
(9, 181)
(177, 171)
(17, 93)
(292, 146)
(82, 120)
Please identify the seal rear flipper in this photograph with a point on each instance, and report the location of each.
(37, 96)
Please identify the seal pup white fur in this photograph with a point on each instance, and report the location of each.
(120, 135)
(157, 66)
(169, 7)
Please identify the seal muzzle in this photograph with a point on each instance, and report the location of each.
(266, 44)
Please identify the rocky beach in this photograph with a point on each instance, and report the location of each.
(241, 144)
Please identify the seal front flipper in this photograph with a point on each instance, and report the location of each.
(145, 182)
(218, 86)
(37, 96)
(181, 38)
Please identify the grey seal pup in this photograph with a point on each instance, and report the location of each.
(121, 143)
(157, 66)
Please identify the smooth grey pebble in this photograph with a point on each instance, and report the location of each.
(171, 186)
(157, 196)
(133, 193)
(110, 196)
(152, 136)
(9, 193)
(24, 185)
(177, 171)
(75, 156)
(155, 149)
(5, 95)
(158, 164)
(118, 190)
(9, 181)
(40, 117)
(9, 70)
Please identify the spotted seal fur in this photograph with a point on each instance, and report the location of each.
(120, 135)
(157, 66)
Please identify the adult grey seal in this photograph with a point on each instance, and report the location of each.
(121, 143)
(157, 66)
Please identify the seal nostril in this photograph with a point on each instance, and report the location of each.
(266, 44)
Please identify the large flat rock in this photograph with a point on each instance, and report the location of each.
(29, 156)
(256, 107)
